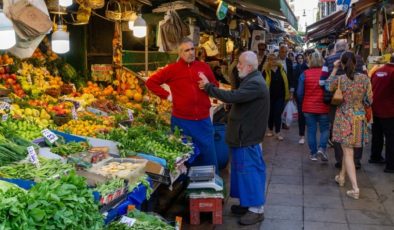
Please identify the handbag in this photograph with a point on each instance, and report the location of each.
(337, 98)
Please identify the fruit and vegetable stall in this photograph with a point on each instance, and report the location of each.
(81, 154)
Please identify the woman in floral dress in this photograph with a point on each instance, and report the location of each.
(350, 125)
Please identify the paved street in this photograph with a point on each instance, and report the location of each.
(302, 194)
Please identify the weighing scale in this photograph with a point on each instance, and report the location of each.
(202, 177)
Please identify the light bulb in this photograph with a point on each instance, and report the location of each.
(7, 32)
(65, 3)
(132, 20)
(60, 41)
(139, 29)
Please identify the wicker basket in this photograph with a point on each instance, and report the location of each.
(67, 89)
(61, 120)
(4, 92)
(116, 12)
(53, 92)
(127, 12)
(95, 4)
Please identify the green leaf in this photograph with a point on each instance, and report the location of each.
(37, 214)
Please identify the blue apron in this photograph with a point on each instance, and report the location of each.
(248, 175)
(202, 133)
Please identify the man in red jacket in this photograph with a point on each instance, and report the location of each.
(190, 108)
(383, 115)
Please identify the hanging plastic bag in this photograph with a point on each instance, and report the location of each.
(290, 113)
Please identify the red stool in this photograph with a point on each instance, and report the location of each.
(213, 205)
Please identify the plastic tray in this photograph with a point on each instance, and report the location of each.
(131, 176)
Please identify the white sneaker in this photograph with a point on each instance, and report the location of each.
(279, 137)
(313, 157)
(301, 141)
(269, 134)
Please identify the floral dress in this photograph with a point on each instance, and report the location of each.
(350, 125)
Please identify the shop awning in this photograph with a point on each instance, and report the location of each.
(359, 7)
(274, 8)
(331, 24)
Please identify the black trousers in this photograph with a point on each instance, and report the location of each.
(358, 152)
(275, 118)
(383, 128)
(301, 118)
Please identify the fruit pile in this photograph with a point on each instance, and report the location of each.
(5, 59)
(26, 129)
(39, 116)
(9, 81)
(88, 128)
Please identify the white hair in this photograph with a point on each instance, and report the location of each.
(251, 59)
(341, 45)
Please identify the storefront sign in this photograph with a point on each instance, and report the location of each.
(33, 156)
(102, 72)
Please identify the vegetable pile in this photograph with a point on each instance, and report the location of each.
(12, 149)
(27, 171)
(70, 148)
(144, 222)
(54, 204)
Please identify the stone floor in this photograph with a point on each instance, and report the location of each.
(302, 194)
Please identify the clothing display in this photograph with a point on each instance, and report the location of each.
(172, 31)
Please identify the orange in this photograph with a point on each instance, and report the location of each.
(137, 97)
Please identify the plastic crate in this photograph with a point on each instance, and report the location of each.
(69, 137)
(213, 205)
(25, 184)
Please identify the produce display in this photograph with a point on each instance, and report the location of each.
(23, 128)
(25, 170)
(70, 148)
(144, 221)
(64, 203)
(119, 169)
(13, 148)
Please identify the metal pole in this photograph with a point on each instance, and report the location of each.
(146, 52)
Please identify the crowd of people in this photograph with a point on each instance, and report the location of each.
(261, 85)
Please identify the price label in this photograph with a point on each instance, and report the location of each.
(50, 136)
(4, 105)
(131, 116)
(33, 156)
(74, 113)
(127, 220)
(4, 117)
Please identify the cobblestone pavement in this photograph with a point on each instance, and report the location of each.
(302, 194)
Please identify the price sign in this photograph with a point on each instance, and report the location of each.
(74, 113)
(4, 117)
(5, 105)
(33, 156)
(127, 220)
(50, 136)
(131, 116)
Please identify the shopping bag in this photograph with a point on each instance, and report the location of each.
(290, 113)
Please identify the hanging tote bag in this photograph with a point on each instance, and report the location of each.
(337, 98)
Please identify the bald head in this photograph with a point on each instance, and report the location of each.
(341, 45)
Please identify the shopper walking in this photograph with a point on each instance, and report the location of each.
(287, 65)
(340, 47)
(278, 84)
(245, 131)
(299, 68)
(190, 111)
(310, 95)
(350, 125)
(383, 115)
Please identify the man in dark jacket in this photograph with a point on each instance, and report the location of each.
(288, 67)
(245, 131)
(340, 47)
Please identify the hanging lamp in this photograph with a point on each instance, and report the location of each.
(65, 3)
(132, 20)
(61, 40)
(139, 29)
(7, 32)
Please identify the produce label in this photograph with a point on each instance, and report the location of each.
(74, 113)
(4, 117)
(4, 105)
(33, 155)
(127, 220)
(131, 116)
(50, 136)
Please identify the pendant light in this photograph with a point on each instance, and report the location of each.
(7, 32)
(65, 3)
(61, 40)
(132, 20)
(139, 29)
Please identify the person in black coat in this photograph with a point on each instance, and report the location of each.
(299, 68)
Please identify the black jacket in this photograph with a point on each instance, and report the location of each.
(248, 116)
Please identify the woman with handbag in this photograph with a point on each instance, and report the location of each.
(310, 95)
(278, 84)
(352, 92)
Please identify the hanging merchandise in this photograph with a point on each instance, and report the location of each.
(222, 9)
(113, 10)
(94, 4)
(210, 47)
(245, 34)
(159, 41)
(172, 31)
(229, 46)
(25, 47)
(258, 36)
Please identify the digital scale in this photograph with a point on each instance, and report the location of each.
(202, 177)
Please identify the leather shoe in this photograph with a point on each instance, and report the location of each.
(251, 218)
(380, 161)
(388, 170)
(239, 210)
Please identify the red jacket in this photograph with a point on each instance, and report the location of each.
(383, 91)
(188, 100)
(313, 96)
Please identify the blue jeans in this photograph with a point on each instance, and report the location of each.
(311, 123)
